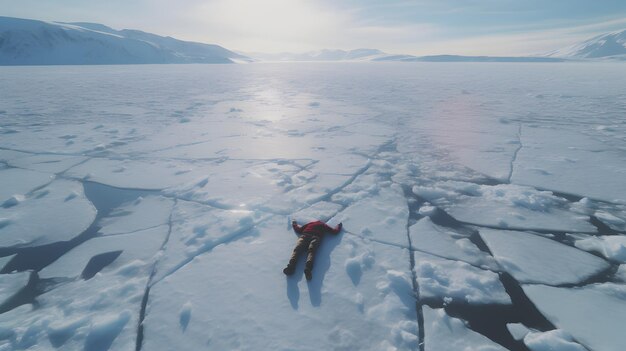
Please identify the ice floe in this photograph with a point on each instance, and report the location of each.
(58, 212)
(593, 314)
(144, 212)
(553, 340)
(613, 247)
(47, 163)
(4, 260)
(18, 182)
(452, 281)
(531, 258)
(198, 228)
(12, 284)
(571, 163)
(431, 238)
(504, 206)
(442, 332)
(380, 217)
(141, 246)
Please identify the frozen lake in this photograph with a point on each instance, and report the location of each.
(147, 207)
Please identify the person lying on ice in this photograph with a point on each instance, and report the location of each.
(310, 238)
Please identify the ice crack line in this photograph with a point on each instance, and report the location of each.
(416, 292)
(144, 300)
(514, 158)
(418, 304)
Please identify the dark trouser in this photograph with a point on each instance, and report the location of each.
(310, 243)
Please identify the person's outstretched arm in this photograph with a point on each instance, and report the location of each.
(337, 229)
(296, 227)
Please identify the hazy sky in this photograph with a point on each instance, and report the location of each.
(469, 27)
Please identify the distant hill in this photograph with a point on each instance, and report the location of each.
(322, 55)
(459, 58)
(32, 42)
(605, 46)
(379, 56)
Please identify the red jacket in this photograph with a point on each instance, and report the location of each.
(317, 228)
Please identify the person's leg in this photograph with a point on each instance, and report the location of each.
(301, 245)
(310, 258)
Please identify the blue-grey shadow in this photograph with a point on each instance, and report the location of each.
(293, 292)
(321, 266)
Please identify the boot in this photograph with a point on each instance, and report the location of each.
(308, 270)
(291, 268)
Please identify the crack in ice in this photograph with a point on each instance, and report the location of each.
(514, 158)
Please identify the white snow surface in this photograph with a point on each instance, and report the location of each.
(554, 163)
(11, 284)
(142, 213)
(553, 340)
(508, 205)
(4, 260)
(612, 247)
(380, 217)
(58, 212)
(47, 163)
(439, 241)
(531, 258)
(457, 282)
(18, 182)
(517, 330)
(368, 307)
(448, 333)
(597, 319)
(140, 246)
(192, 173)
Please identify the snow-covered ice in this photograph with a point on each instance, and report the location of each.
(380, 217)
(553, 340)
(517, 330)
(531, 258)
(11, 284)
(443, 332)
(508, 206)
(57, 212)
(143, 213)
(612, 247)
(555, 163)
(149, 206)
(197, 228)
(47, 163)
(141, 246)
(439, 241)
(337, 309)
(18, 182)
(593, 315)
(4, 260)
(457, 282)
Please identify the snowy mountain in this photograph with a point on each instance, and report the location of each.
(380, 56)
(460, 58)
(611, 45)
(322, 55)
(32, 42)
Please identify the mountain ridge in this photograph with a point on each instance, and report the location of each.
(610, 45)
(33, 42)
